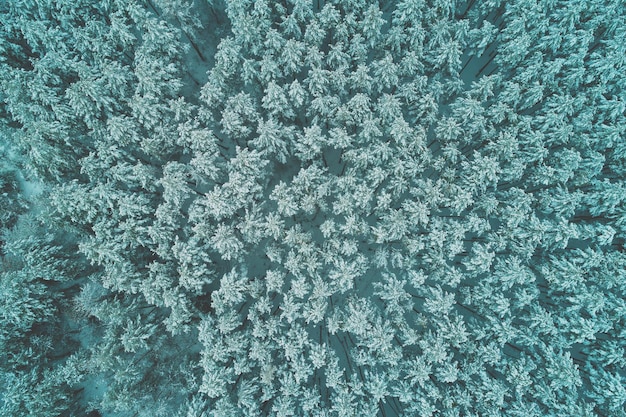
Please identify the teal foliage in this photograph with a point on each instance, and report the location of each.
(314, 208)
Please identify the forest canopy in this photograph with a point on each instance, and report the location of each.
(313, 208)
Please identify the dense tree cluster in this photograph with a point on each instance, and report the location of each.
(314, 208)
